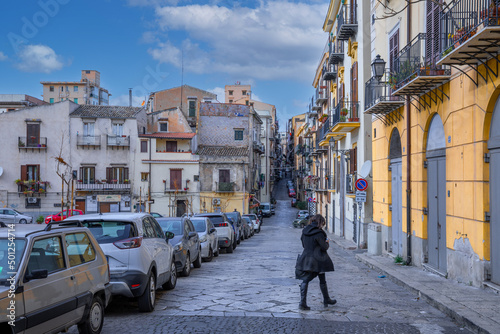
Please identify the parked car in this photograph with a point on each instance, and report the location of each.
(273, 209)
(266, 209)
(291, 192)
(156, 215)
(139, 256)
(302, 214)
(186, 242)
(225, 231)
(57, 216)
(61, 274)
(235, 217)
(208, 237)
(248, 224)
(300, 222)
(11, 216)
(255, 221)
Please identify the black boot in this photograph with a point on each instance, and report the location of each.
(326, 298)
(303, 297)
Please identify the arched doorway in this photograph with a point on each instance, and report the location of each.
(494, 147)
(396, 193)
(436, 194)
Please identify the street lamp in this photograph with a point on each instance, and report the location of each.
(378, 67)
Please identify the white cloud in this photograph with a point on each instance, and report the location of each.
(3, 56)
(220, 92)
(277, 40)
(38, 58)
(123, 100)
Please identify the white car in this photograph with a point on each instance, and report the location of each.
(255, 221)
(302, 214)
(139, 256)
(208, 237)
(11, 216)
(225, 231)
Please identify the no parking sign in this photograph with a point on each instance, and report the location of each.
(361, 184)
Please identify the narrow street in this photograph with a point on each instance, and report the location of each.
(254, 291)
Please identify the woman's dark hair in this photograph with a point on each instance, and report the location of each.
(317, 220)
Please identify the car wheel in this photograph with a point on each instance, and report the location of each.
(172, 282)
(210, 255)
(216, 253)
(187, 267)
(95, 319)
(22, 221)
(258, 231)
(230, 249)
(147, 300)
(238, 241)
(197, 262)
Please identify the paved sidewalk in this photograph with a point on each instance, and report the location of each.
(475, 308)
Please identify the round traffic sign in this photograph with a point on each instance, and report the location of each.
(361, 184)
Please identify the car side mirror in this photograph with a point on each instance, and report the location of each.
(37, 274)
(212, 230)
(169, 235)
(192, 234)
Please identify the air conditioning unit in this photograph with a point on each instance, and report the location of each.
(216, 201)
(32, 200)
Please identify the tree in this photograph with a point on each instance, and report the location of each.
(64, 171)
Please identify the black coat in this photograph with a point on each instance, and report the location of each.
(314, 258)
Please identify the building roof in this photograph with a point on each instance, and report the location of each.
(169, 135)
(105, 111)
(225, 151)
(224, 109)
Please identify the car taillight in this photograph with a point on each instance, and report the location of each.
(129, 243)
(223, 224)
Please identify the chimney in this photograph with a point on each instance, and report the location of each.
(130, 97)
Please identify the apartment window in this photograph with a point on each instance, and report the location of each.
(175, 178)
(30, 172)
(51, 100)
(87, 175)
(75, 100)
(251, 104)
(171, 146)
(62, 88)
(238, 134)
(144, 146)
(243, 92)
(247, 102)
(164, 127)
(144, 177)
(224, 176)
(117, 129)
(88, 128)
(88, 72)
(230, 101)
(117, 174)
(192, 108)
(230, 92)
(51, 88)
(393, 50)
(75, 88)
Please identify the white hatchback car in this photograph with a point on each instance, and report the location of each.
(139, 256)
(255, 221)
(225, 230)
(208, 237)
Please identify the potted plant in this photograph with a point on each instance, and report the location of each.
(344, 112)
(18, 181)
(21, 143)
(126, 181)
(40, 220)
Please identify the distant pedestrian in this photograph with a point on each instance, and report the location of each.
(314, 260)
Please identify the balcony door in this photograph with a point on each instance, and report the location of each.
(176, 179)
(395, 157)
(33, 134)
(87, 175)
(494, 147)
(432, 26)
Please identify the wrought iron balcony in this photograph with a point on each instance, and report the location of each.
(471, 33)
(32, 142)
(224, 187)
(336, 52)
(345, 118)
(108, 185)
(330, 73)
(347, 20)
(350, 182)
(324, 129)
(321, 94)
(118, 141)
(314, 107)
(94, 141)
(415, 71)
(32, 188)
(379, 98)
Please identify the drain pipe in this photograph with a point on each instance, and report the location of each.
(408, 156)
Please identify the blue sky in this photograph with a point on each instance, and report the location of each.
(273, 45)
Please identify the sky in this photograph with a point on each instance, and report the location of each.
(151, 45)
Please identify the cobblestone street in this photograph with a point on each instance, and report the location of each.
(254, 291)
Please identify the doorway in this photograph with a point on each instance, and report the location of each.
(494, 147)
(395, 156)
(181, 208)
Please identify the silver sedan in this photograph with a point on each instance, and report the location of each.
(11, 216)
(208, 237)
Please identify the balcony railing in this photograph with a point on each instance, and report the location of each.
(415, 71)
(30, 187)
(325, 128)
(321, 94)
(346, 111)
(336, 52)
(379, 98)
(470, 31)
(224, 187)
(106, 185)
(330, 73)
(347, 21)
(82, 140)
(118, 141)
(350, 183)
(32, 142)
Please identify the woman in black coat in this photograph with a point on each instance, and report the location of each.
(314, 260)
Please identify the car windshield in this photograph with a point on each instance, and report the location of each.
(216, 219)
(107, 232)
(199, 225)
(265, 207)
(174, 226)
(6, 256)
(254, 217)
(232, 215)
(247, 219)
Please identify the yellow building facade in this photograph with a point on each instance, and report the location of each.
(434, 112)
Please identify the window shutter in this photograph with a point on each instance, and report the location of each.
(351, 161)
(355, 164)
(432, 25)
(24, 173)
(175, 179)
(109, 174)
(125, 173)
(354, 89)
(393, 51)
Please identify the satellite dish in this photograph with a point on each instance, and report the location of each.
(1, 171)
(365, 169)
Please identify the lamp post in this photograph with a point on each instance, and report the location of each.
(378, 67)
